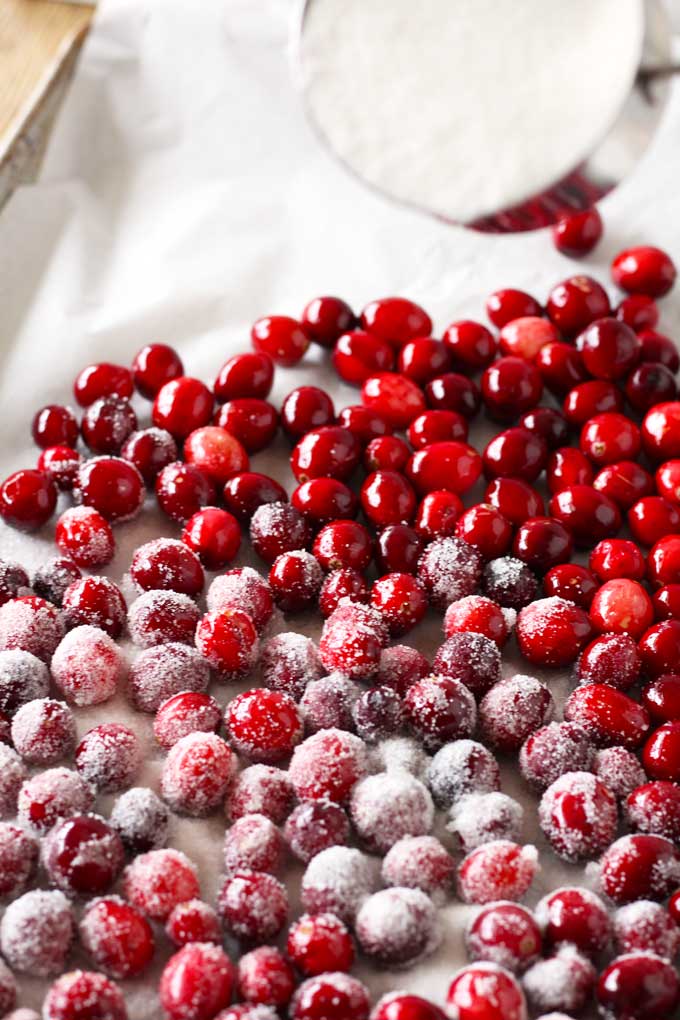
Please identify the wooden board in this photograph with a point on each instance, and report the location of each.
(39, 43)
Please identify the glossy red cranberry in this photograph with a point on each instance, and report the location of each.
(666, 602)
(365, 423)
(343, 544)
(295, 580)
(652, 518)
(397, 398)
(477, 614)
(572, 582)
(506, 934)
(576, 917)
(661, 431)
(624, 482)
(617, 557)
(216, 453)
(112, 486)
(667, 479)
(505, 305)
(589, 399)
(331, 451)
(586, 513)
(400, 1006)
(60, 464)
(396, 319)
(453, 392)
(345, 583)
(398, 549)
(437, 426)
(196, 982)
(661, 698)
(401, 601)
(484, 527)
(245, 375)
(330, 996)
(452, 465)
(324, 319)
(548, 423)
(107, 423)
(638, 867)
(83, 854)
(263, 725)
(515, 453)
(609, 438)
(252, 421)
(552, 631)
(576, 233)
(515, 499)
(96, 601)
(153, 366)
(567, 466)
(622, 606)
(437, 514)
(388, 453)
(167, 564)
(526, 336)
(150, 450)
(542, 543)
(304, 409)
(561, 367)
(102, 380)
(660, 349)
(182, 405)
(644, 270)
(387, 498)
(320, 943)
(27, 499)
(664, 561)
(182, 489)
(214, 535)
(610, 659)
(511, 386)
(642, 985)
(608, 716)
(639, 311)
(472, 345)
(485, 991)
(245, 492)
(358, 355)
(661, 753)
(228, 640)
(282, 338)
(117, 937)
(650, 384)
(54, 425)
(576, 302)
(322, 500)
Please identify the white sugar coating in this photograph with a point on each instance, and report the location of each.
(352, 639)
(564, 981)
(281, 522)
(646, 925)
(13, 772)
(511, 941)
(620, 770)
(117, 414)
(23, 677)
(164, 670)
(337, 881)
(171, 724)
(22, 1014)
(400, 754)
(554, 749)
(150, 558)
(450, 569)
(397, 927)
(328, 764)
(500, 870)
(101, 847)
(196, 773)
(420, 862)
(32, 625)
(460, 768)
(260, 789)
(96, 543)
(242, 588)
(87, 666)
(310, 575)
(51, 795)
(157, 881)
(36, 932)
(514, 708)
(109, 756)
(401, 666)
(8, 988)
(157, 617)
(328, 702)
(655, 859)
(249, 1011)
(44, 730)
(502, 578)
(289, 662)
(388, 806)
(253, 842)
(470, 658)
(440, 709)
(578, 814)
(141, 819)
(481, 818)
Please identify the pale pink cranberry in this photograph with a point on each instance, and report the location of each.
(13, 773)
(253, 906)
(574, 916)
(23, 678)
(261, 789)
(196, 773)
(162, 617)
(480, 818)
(162, 671)
(461, 768)
(141, 819)
(552, 750)
(108, 757)
(328, 703)
(619, 769)
(579, 815)
(505, 934)
(44, 731)
(242, 588)
(386, 807)
(18, 859)
(485, 991)
(193, 921)
(36, 932)
(155, 882)
(265, 976)
(31, 624)
(564, 981)
(51, 795)
(197, 982)
(397, 927)
(255, 844)
(87, 666)
(327, 765)
(420, 862)
(289, 662)
(337, 881)
(315, 825)
(513, 709)
(500, 870)
(184, 713)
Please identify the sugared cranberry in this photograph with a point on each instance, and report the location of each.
(470, 658)
(388, 806)
(563, 981)
(50, 795)
(315, 825)
(640, 867)
(327, 765)
(87, 666)
(84, 535)
(166, 564)
(61, 465)
(578, 815)
(561, 367)
(164, 670)
(182, 405)
(655, 808)
(610, 659)
(253, 842)
(262, 789)
(439, 709)
(574, 916)
(83, 854)
(542, 543)
(30, 624)
(193, 921)
(228, 640)
(107, 424)
(96, 601)
(644, 270)
(485, 991)
(27, 499)
(108, 756)
(552, 750)
(450, 569)
(265, 976)
(510, 583)
(454, 392)
(576, 233)
(264, 725)
(182, 490)
(305, 408)
(358, 355)
(608, 716)
(319, 943)
(324, 319)
(511, 386)
(512, 709)
(184, 713)
(252, 421)
(155, 882)
(150, 450)
(576, 302)
(245, 375)
(397, 927)
(23, 677)
(345, 583)
(54, 425)
(117, 937)
(661, 431)
(160, 617)
(86, 995)
(196, 982)
(102, 380)
(505, 934)
(642, 985)
(36, 932)
(619, 769)
(525, 336)
(153, 366)
(18, 859)
(295, 580)
(436, 426)
(331, 996)
(352, 639)
(639, 311)
(112, 486)
(481, 817)
(141, 819)
(280, 337)
(196, 773)
(253, 906)
(471, 344)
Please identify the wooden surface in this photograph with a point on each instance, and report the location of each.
(39, 42)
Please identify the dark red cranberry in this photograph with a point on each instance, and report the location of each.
(575, 917)
(388, 453)
(576, 302)
(52, 578)
(666, 602)
(609, 348)
(573, 582)
(525, 337)
(667, 479)
(252, 421)
(281, 337)
(365, 423)
(437, 426)
(324, 319)
(107, 423)
(576, 233)
(515, 499)
(609, 438)
(505, 305)
(60, 464)
(661, 698)
(322, 500)
(660, 349)
(276, 528)
(652, 518)
(661, 431)
(484, 527)
(245, 375)
(398, 549)
(345, 583)
(624, 482)
(102, 380)
(182, 489)
(54, 425)
(561, 367)
(591, 398)
(247, 491)
(661, 753)
(453, 392)
(622, 606)
(608, 716)
(263, 725)
(357, 356)
(548, 423)
(509, 582)
(295, 580)
(542, 543)
(650, 384)
(306, 408)
(453, 465)
(96, 601)
(472, 345)
(644, 270)
(27, 499)
(640, 985)
(469, 658)
(439, 709)
(437, 514)
(377, 714)
(664, 561)
(567, 466)
(214, 535)
(112, 486)
(150, 450)
(515, 453)
(83, 854)
(511, 386)
(587, 514)
(639, 311)
(331, 451)
(396, 319)
(552, 631)
(387, 498)
(182, 405)
(610, 659)
(167, 564)
(153, 367)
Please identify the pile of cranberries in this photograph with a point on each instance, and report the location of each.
(374, 768)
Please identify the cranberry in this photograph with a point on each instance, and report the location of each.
(86, 995)
(660, 647)
(155, 882)
(153, 366)
(328, 452)
(345, 583)
(112, 486)
(610, 659)
(653, 517)
(470, 658)
(660, 349)
(561, 367)
(150, 450)
(512, 709)
(401, 601)
(439, 709)
(184, 713)
(397, 927)
(343, 544)
(661, 753)
(50, 796)
(614, 558)
(624, 482)
(548, 423)
(646, 926)
(461, 768)
(164, 670)
(542, 543)
(398, 549)
(85, 536)
(505, 934)
(315, 825)
(304, 409)
(196, 982)
(87, 666)
(552, 750)
(27, 499)
(182, 406)
(505, 305)
(639, 311)
(638, 867)
(96, 601)
(437, 515)
(281, 337)
(117, 937)
(471, 344)
(253, 906)
(644, 270)
(102, 380)
(576, 917)
(182, 490)
(655, 808)
(327, 765)
(576, 302)
(215, 452)
(661, 431)
(481, 817)
(253, 842)
(386, 498)
(510, 583)
(563, 981)
(567, 466)
(328, 703)
(357, 356)
(588, 399)
(54, 425)
(228, 640)
(141, 820)
(245, 375)
(323, 500)
(166, 564)
(515, 453)
(352, 639)
(197, 773)
(454, 464)
(214, 536)
(107, 424)
(400, 667)
(515, 499)
(667, 602)
(30, 624)
(263, 725)
(524, 337)
(650, 384)
(251, 421)
(23, 677)
(245, 492)
(331, 996)
(576, 233)
(453, 392)
(193, 921)
(396, 319)
(664, 561)
(667, 479)
(295, 580)
(108, 756)
(511, 386)
(324, 319)
(60, 464)
(485, 991)
(83, 854)
(18, 859)
(265, 976)
(396, 397)
(588, 514)
(262, 789)
(609, 716)
(450, 569)
(289, 662)
(661, 698)
(608, 438)
(579, 815)
(319, 943)
(387, 453)
(638, 984)
(437, 426)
